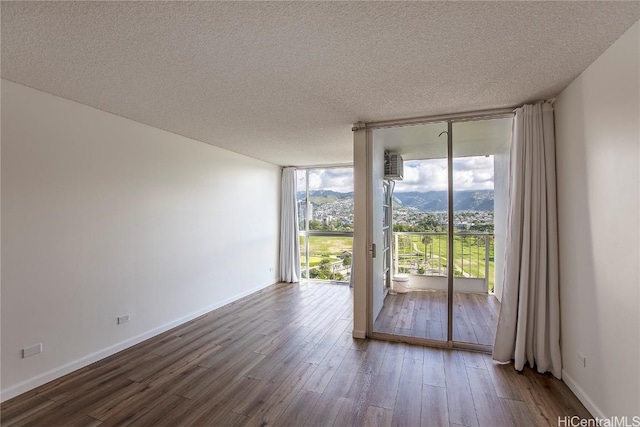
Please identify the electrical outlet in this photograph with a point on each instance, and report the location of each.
(123, 319)
(582, 359)
(30, 351)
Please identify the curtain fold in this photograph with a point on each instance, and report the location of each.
(529, 323)
(289, 234)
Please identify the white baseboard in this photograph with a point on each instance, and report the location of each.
(60, 371)
(582, 396)
(359, 334)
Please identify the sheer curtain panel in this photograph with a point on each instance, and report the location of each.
(289, 234)
(529, 323)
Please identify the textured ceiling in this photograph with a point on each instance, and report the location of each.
(283, 82)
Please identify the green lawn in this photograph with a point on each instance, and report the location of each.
(323, 247)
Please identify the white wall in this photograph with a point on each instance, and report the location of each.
(598, 139)
(103, 216)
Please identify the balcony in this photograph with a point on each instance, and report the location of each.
(423, 255)
(423, 312)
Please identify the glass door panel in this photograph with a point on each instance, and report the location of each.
(417, 308)
(474, 146)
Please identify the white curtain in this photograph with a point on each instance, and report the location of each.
(289, 235)
(529, 323)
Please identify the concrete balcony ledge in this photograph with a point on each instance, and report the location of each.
(439, 283)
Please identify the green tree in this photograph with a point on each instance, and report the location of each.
(426, 240)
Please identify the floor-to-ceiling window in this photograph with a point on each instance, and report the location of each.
(325, 209)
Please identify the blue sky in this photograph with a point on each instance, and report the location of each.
(470, 173)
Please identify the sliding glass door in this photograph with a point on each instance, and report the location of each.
(447, 210)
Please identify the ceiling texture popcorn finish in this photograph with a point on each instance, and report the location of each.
(284, 81)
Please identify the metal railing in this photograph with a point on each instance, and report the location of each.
(425, 253)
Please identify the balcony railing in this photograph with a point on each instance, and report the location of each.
(425, 254)
(422, 254)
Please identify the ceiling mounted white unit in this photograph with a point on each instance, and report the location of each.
(393, 167)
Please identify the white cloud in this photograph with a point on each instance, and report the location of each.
(469, 173)
(334, 179)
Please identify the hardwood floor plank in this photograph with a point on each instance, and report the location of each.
(168, 404)
(487, 404)
(475, 308)
(420, 316)
(541, 393)
(180, 366)
(459, 398)
(433, 302)
(73, 378)
(503, 377)
(353, 409)
(282, 353)
(75, 408)
(214, 381)
(435, 411)
(151, 369)
(216, 408)
(299, 409)
(385, 388)
(328, 341)
(330, 402)
(408, 406)
(436, 330)
(473, 359)
(266, 413)
(517, 412)
(388, 316)
(325, 411)
(462, 325)
(30, 406)
(379, 417)
(433, 368)
(151, 402)
(374, 355)
(541, 407)
(322, 376)
(415, 352)
(405, 319)
(567, 402)
(490, 310)
(113, 404)
(250, 402)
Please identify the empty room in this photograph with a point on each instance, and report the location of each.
(320, 213)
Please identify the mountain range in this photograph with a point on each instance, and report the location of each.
(428, 201)
(463, 200)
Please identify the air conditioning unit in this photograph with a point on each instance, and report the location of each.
(393, 167)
